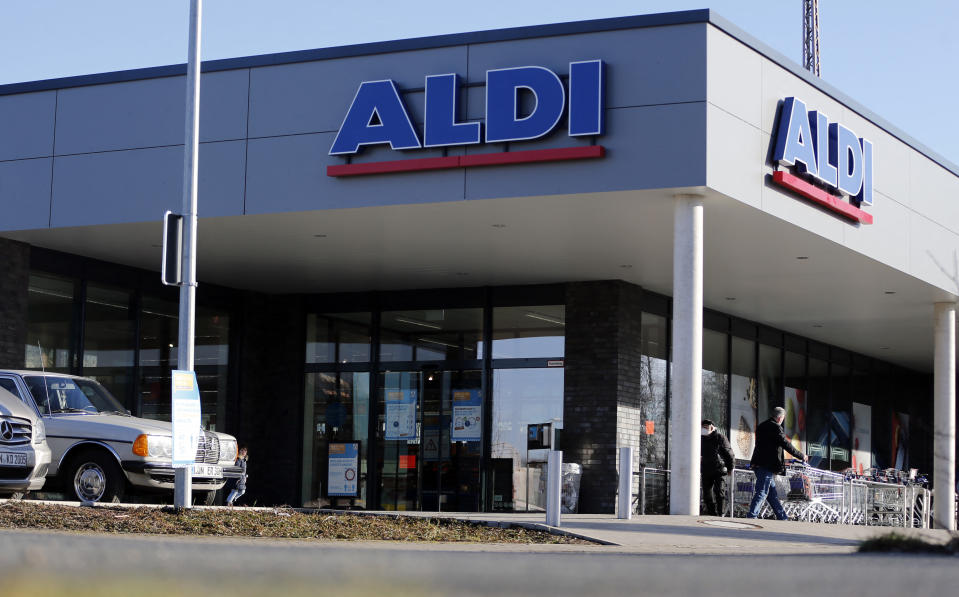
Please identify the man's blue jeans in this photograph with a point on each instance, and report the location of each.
(766, 491)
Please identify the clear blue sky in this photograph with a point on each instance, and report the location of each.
(896, 58)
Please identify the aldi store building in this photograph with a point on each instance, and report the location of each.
(613, 227)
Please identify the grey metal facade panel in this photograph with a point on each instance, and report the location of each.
(314, 97)
(643, 66)
(289, 174)
(139, 185)
(26, 125)
(25, 194)
(478, 37)
(647, 148)
(149, 113)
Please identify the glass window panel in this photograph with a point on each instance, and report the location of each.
(211, 337)
(399, 458)
(653, 391)
(431, 335)
(743, 398)
(840, 432)
(109, 340)
(770, 380)
(817, 413)
(715, 379)
(337, 408)
(522, 397)
(50, 314)
(338, 338)
(795, 400)
(529, 332)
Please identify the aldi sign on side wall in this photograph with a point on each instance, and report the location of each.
(830, 161)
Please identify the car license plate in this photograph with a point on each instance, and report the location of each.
(207, 470)
(12, 459)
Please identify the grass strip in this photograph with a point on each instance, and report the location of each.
(278, 523)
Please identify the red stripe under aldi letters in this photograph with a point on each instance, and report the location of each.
(469, 161)
(820, 196)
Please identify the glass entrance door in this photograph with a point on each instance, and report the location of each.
(430, 438)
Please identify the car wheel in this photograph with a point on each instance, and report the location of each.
(204, 498)
(95, 477)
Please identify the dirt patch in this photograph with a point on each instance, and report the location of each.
(277, 523)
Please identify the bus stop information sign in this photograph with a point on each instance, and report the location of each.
(186, 418)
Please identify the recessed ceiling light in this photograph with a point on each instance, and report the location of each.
(802, 258)
(890, 292)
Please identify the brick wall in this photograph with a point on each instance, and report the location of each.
(602, 384)
(270, 396)
(14, 282)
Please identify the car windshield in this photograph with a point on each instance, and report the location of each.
(70, 395)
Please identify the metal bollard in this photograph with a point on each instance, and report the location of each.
(554, 487)
(625, 510)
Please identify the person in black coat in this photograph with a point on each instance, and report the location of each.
(768, 461)
(715, 462)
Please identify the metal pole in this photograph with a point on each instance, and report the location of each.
(625, 483)
(554, 487)
(182, 492)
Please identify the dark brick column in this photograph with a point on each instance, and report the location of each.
(14, 281)
(270, 398)
(602, 382)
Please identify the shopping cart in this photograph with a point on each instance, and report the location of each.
(813, 495)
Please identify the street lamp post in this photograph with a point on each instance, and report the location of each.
(182, 481)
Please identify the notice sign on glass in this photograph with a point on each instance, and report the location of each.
(186, 418)
(342, 479)
(467, 423)
(400, 414)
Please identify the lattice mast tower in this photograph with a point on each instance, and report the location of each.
(810, 36)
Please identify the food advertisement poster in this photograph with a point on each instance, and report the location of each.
(743, 414)
(795, 423)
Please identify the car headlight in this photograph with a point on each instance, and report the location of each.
(153, 446)
(227, 450)
(39, 433)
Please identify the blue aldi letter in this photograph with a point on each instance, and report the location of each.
(377, 115)
(794, 141)
(846, 153)
(587, 98)
(442, 107)
(503, 122)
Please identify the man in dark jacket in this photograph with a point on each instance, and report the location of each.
(715, 462)
(767, 462)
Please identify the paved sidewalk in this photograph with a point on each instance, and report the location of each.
(703, 534)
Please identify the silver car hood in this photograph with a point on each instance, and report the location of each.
(10, 405)
(103, 426)
(108, 427)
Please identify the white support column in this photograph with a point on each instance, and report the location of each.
(944, 417)
(685, 402)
